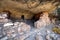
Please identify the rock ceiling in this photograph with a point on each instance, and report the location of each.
(28, 7)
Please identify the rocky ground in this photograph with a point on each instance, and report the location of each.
(24, 30)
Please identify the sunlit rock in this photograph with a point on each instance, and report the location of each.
(16, 23)
(24, 27)
(39, 37)
(48, 37)
(58, 38)
(3, 18)
(3, 15)
(10, 31)
(8, 24)
(43, 21)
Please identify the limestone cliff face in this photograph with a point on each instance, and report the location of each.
(14, 9)
(26, 7)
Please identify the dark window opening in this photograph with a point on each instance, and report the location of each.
(37, 16)
(22, 17)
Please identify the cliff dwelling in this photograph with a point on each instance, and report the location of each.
(27, 9)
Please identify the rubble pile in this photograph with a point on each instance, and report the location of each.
(3, 17)
(24, 31)
(43, 21)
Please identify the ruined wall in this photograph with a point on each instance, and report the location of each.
(18, 14)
